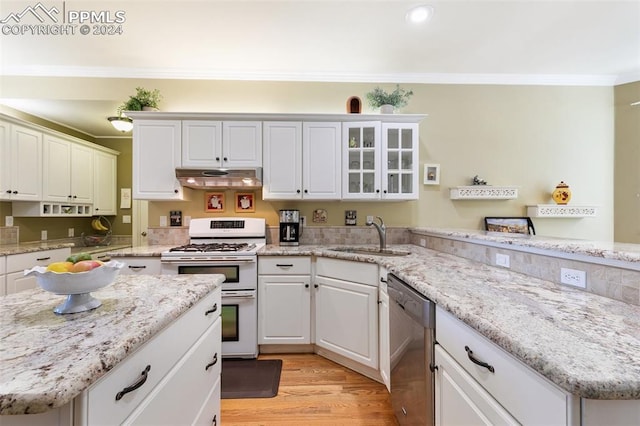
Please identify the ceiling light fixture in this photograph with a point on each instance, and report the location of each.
(419, 14)
(121, 123)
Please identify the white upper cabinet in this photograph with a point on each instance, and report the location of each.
(201, 143)
(321, 160)
(380, 161)
(156, 154)
(400, 161)
(301, 161)
(67, 171)
(242, 144)
(21, 158)
(362, 159)
(221, 144)
(105, 183)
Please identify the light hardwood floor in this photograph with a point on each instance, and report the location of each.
(314, 391)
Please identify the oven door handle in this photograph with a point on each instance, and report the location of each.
(238, 294)
(192, 261)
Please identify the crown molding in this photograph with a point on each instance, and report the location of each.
(425, 78)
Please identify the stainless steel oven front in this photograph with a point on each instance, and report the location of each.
(239, 300)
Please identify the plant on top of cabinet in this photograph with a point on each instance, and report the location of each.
(399, 98)
(144, 99)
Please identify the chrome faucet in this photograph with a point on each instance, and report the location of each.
(382, 232)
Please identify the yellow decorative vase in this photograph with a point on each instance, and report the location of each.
(562, 193)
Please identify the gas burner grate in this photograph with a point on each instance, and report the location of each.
(213, 247)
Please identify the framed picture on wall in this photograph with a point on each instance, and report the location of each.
(214, 202)
(432, 174)
(245, 202)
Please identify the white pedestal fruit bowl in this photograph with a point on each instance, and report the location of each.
(76, 286)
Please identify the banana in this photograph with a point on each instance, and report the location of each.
(94, 224)
(102, 227)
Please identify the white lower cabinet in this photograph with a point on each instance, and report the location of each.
(384, 350)
(477, 382)
(346, 303)
(17, 263)
(140, 265)
(284, 300)
(3, 275)
(460, 400)
(178, 371)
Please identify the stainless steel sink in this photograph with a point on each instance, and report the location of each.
(370, 251)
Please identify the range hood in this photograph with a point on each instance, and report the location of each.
(220, 178)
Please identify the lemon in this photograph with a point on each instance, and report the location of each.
(59, 266)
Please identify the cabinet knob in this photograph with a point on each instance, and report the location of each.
(75, 196)
(217, 158)
(8, 191)
(225, 159)
(143, 233)
(306, 192)
(306, 286)
(385, 191)
(377, 191)
(298, 191)
(175, 191)
(14, 192)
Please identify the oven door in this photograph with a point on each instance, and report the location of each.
(239, 324)
(239, 275)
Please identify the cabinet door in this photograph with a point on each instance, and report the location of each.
(5, 161)
(105, 174)
(321, 161)
(385, 357)
(156, 154)
(242, 144)
(56, 169)
(17, 282)
(82, 174)
(347, 319)
(282, 161)
(26, 160)
(201, 143)
(361, 160)
(284, 309)
(400, 161)
(460, 400)
(3, 275)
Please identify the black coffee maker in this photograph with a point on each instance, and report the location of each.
(289, 227)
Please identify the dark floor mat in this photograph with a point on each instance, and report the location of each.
(250, 378)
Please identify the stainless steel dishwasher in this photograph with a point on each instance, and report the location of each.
(412, 323)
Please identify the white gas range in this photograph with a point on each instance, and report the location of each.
(228, 246)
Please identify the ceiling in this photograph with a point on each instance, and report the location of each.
(579, 42)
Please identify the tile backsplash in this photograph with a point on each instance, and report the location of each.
(9, 234)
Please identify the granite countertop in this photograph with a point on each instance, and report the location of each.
(605, 250)
(586, 344)
(46, 359)
(19, 248)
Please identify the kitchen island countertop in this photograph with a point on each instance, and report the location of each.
(46, 359)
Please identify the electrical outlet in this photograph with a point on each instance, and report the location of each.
(423, 242)
(71, 232)
(502, 260)
(126, 218)
(163, 221)
(8, 221)
(43, 235)
(574, 277)
(369, 219)
(187, 220)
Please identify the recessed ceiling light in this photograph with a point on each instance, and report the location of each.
(419, 14)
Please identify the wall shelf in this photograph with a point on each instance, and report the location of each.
(47, 209)
(483, 192)
(566, 211)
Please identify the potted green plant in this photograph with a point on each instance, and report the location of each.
(388, 101)
(143, 100)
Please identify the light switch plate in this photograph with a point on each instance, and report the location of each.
(8, 221)
(163, 221)
(126, 218)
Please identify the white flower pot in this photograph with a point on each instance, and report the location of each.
(386, 109)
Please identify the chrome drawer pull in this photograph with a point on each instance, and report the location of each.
(477, 361)
(134, 386)
(212, 363)
(212, 310)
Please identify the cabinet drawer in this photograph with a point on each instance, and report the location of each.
(516, 386)
(284, 265)
(18, 262)
(357, 272)
(187, 386)
(140, 265)
(161, 353)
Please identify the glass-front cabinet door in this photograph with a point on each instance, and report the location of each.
(400, 161)
(361, 160)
